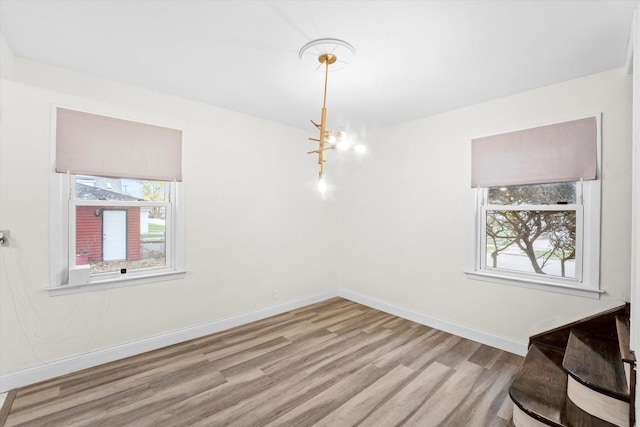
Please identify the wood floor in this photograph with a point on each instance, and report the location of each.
(335, 363)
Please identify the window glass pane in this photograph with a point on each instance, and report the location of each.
(111, 238)
(532, 241)
(123, 189)
(560, 193)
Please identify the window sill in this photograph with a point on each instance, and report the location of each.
(535, 284)
(120, 282)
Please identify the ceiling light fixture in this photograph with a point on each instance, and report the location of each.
(318, 55)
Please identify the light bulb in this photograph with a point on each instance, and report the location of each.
(322, 185)
(360, 148)
(343, 145)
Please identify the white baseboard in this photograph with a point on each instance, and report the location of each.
(497, 341)
(67, 365)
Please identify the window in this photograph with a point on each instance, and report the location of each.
(544, 235)
(120, 223)
(109, 229)
(532, 229)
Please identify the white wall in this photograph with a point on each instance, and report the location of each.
(7, 59)
(253, 221)
(404, 217)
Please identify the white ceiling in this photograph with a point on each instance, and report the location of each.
(414, 58)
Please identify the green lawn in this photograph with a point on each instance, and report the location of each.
(156, 228)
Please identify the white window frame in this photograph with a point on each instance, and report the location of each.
(587, 280)
(588, 206)
(63, 251)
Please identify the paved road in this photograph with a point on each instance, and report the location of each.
(520, 262)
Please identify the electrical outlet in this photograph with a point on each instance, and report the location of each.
(4, 238)
(274, 295)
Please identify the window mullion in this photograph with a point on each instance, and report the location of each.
(119, 203)
(71, 259)
(483, 238)
(532, 207)
(579, 257)
(169, 229)
(480, 259)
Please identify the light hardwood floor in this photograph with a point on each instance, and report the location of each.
(335, 363)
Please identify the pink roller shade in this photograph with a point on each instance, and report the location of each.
(90, 144)
(555, 153)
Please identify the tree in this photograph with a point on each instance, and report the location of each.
(501, 236)
(524, 227)
(154, 191)
(563, 239)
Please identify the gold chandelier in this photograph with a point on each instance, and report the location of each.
(326, 51)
